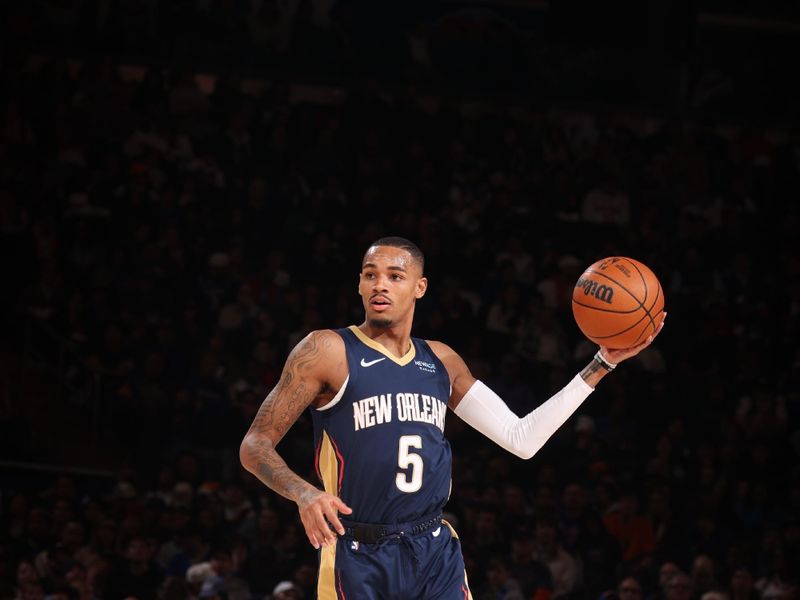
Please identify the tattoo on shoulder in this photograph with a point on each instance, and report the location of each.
(294, 391)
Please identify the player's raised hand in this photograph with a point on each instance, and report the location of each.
(617, 356)
(319, 511)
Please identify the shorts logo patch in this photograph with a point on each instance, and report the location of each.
(436, 532)
(354, 545)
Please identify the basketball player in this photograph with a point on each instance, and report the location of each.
(378, 401)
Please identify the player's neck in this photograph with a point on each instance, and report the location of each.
(395, 338)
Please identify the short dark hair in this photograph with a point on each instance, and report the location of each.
(404, 244)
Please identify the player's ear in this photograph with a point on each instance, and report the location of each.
(422, 286)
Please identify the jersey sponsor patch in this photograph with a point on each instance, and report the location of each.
(428, 367)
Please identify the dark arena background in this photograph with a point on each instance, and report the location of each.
(187, 188)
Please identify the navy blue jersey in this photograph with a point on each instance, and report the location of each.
(380, 442)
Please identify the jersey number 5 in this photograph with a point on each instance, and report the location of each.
(409, 460)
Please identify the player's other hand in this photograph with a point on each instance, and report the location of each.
(617, 356)
(319, 511)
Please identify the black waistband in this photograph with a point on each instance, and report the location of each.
(370, 533)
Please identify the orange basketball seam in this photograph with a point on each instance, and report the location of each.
(642, 306)
(644, 281)
(602, 337)
(638, 337)
(638, 270)
(658, 293)
(616, 312)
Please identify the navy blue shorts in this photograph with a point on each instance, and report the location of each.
(408, 561)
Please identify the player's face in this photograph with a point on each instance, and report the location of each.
(389, 284)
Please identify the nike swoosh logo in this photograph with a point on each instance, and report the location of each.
(372, 362)
(436, 532)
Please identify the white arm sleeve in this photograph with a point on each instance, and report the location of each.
(484, 410)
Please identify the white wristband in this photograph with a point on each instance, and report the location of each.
(608, 366)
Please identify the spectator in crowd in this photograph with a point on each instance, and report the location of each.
(77, 578)
(136, 575)
(630, 589)
(679, 587)
(286, 590)
(549, 551)
(213, 588)
(666, 571)
(704, 575)
(500, 585)
(633, 531)
(742, 585)
(533, 577)
(714, 595)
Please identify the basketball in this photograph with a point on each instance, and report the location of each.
(618, 302)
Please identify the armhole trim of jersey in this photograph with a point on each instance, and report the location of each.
(336, 398)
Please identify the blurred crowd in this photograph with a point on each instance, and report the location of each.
(181, 239)
(705, 57)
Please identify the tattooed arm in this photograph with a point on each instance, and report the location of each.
(306, 379)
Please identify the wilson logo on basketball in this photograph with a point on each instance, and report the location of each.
(598, 290)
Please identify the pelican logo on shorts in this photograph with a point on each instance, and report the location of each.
(425, 366)
(602, 292)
